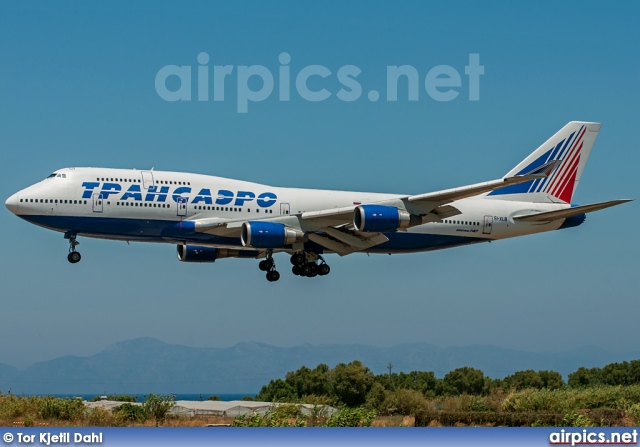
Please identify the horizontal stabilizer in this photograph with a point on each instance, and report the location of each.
(568, 212)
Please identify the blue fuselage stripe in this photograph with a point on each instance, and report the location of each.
(169, 231)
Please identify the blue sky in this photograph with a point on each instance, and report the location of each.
(77, 88)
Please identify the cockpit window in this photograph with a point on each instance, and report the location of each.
(52, 175)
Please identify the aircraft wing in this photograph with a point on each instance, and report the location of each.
(449, 195)
(334, 230)
(568, 212)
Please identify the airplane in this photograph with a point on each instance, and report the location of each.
(210, 218)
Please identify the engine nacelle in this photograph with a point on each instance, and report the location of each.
(381, 218)
(269, 235)
(194, 253)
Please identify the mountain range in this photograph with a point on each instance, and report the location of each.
(145, 365)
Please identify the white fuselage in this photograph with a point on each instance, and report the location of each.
(150, 206)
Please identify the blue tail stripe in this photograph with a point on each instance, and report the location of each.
(523, 187)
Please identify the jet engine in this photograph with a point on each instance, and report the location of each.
(194, 253)
(382, 218)
(269, 235)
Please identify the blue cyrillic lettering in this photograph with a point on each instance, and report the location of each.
(134, 192)
(266, 199)
(244, 196)
(178, 191)
(203, 196)
(108, 189)
(225, 197)
(88, 189)
(154, 192)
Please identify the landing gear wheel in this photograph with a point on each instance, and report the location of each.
(297, 258)
(73, 256)
(273, 275)
(296, 270)
(306, 269)
(265, 265)
(323, 269)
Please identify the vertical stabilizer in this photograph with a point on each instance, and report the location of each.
(571, 146)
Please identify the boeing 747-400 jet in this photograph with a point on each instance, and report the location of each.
(209, 217)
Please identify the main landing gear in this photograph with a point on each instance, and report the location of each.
(73, 256)
(269, 265)
(306, 264)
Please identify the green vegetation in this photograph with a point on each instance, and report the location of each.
(51, 410)
(596, 396)
(285, 415)
(608, 396)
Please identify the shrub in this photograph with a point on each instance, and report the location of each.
(128, 414)
(157, 406)
(351, 417)
(99, 417)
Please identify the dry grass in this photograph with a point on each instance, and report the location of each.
(394, 421)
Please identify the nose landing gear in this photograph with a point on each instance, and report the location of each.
(73, 256)
(269, 265)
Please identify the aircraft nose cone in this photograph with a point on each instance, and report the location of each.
(12, 203)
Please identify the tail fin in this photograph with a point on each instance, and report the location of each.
(570, 147)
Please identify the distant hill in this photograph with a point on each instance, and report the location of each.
(6, 373)
(146, 365)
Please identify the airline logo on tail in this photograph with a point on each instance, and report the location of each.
(561, 183)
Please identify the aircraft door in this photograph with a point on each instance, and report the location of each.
(147, 179)
(488, 225)
(285, 209)
(98, 203)
(182, 206)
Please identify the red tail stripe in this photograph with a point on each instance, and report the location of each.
(567, 192)
(563, 167)
(567, 170)
(561, 173)
(567, 185)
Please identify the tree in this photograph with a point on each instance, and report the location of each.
(277, 391)
(552, 380)
(157, 406)
(464, 381)
(531, 379)
(307, 381)
(524, 379)
(351, 383)
(585, 377)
